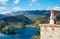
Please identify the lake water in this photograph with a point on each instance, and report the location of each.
(23, 33)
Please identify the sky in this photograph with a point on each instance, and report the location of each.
(24, 5)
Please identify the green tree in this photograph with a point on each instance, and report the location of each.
(37, 23)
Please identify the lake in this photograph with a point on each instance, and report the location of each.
(22, 33)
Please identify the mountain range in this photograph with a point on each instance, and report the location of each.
(33, 15)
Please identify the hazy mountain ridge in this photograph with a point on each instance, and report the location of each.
(23, 20)
(2, 15)
(33, 14)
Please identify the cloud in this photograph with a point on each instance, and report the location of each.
(6, 12)
(57, 8)
(17, 9)
(3, 8)
(54, 8)
(30, 4)
(33, 0)
(4, 1)
(16, 1)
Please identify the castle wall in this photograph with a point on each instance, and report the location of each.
(50, 32)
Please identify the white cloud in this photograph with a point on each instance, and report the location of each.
(54, 8)
(5, 13)
(3, 8)
(17, 9)
(16, 1)
(30, 4)
(4, 1)
(48, 8)
(57, 8)
(33, 0)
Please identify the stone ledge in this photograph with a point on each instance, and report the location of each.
(49, 25)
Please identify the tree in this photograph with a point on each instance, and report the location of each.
(36, 24)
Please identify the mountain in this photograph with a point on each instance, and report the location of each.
(2, 16)
(33, 14)
(16, 19)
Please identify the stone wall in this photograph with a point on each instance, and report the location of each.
(50, 32)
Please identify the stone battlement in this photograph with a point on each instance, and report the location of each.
(49, 25)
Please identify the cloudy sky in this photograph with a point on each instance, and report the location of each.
(20, 5)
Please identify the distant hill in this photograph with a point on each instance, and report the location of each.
(34, 15)
(2, 15)
(16, 19)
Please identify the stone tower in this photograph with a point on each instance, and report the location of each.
(53, 17)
